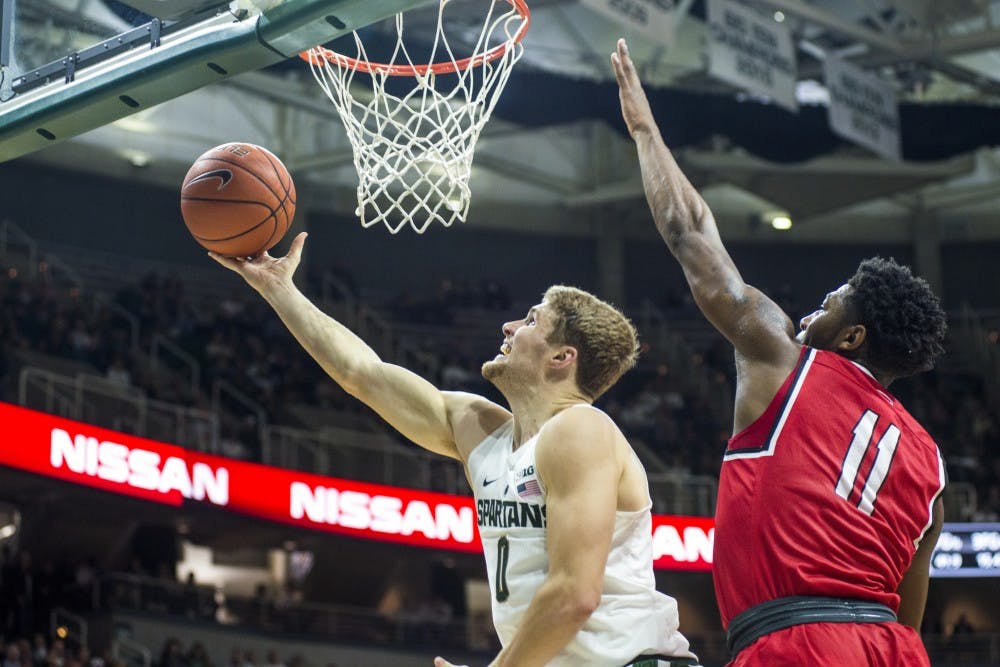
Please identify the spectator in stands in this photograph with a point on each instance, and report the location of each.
(172, 654)
(8, 572)
(962, 626)
(456, 376)
(12, 656)
(273, 660)
(197, 656)
(260, 607)
(56, 656)
(40, 649)
(117, 372)
(22, 594)
(81, 342)
(495, 295)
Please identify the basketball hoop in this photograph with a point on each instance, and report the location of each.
(413, 149)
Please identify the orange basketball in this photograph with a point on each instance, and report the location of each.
(238, 200)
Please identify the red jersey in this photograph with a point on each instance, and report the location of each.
(827, 493)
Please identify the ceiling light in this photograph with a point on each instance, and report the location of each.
(136, 158)
(7, 531)
(781, 222)
(779, 16)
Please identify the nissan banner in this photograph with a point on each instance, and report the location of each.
(103, 459)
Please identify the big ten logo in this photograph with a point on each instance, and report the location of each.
(525, 472)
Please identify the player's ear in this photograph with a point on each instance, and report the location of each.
(852, 337)
(563, 357)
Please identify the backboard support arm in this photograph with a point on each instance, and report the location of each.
(185, 60)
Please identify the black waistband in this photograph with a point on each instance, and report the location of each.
(773, 615)
(656, 660)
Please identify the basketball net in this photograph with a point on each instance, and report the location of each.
(413, 146)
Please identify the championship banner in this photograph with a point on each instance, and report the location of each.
(654, 19)
(103, 459)
(863, 108)
(751, 51)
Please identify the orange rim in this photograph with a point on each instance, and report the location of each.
(421, 70)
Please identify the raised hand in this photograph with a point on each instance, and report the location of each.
(265, 272)
(635, 107)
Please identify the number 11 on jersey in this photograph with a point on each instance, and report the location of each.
(863, 434)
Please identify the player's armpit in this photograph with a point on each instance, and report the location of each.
(913, 588)
(472, 418)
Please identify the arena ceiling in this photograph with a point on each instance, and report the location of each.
(555, 159)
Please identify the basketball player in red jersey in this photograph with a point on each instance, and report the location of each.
(829, 498)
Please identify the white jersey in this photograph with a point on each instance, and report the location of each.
(633, 618)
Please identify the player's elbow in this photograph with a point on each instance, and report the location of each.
(681, 221)
(358, 377)
(683, 241)
(582, 604)
(587, 603)
(580, 600)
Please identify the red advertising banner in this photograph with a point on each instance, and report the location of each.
(100, 458)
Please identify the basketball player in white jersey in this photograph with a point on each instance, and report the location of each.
(562, 500)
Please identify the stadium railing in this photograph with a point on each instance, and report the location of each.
(339, 452)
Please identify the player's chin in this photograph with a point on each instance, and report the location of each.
(493, 368)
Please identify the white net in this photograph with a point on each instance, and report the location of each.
(413, 145)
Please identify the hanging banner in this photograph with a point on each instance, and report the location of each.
(124, 464)
(863, 108)
(751, 51)
(653, 19)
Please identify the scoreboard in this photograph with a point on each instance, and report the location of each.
(967, 550)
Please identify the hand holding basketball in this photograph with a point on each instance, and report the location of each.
(264, 272)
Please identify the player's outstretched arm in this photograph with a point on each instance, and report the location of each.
(577, 462)
(413, 406)
(754, 324)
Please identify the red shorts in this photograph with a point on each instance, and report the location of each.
(837, 645)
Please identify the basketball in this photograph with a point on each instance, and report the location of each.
(238, 200)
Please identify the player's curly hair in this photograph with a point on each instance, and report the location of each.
(606, 342)
(905, 322)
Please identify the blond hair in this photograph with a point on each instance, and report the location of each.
(606, 342)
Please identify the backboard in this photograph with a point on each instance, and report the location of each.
(69, 67)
